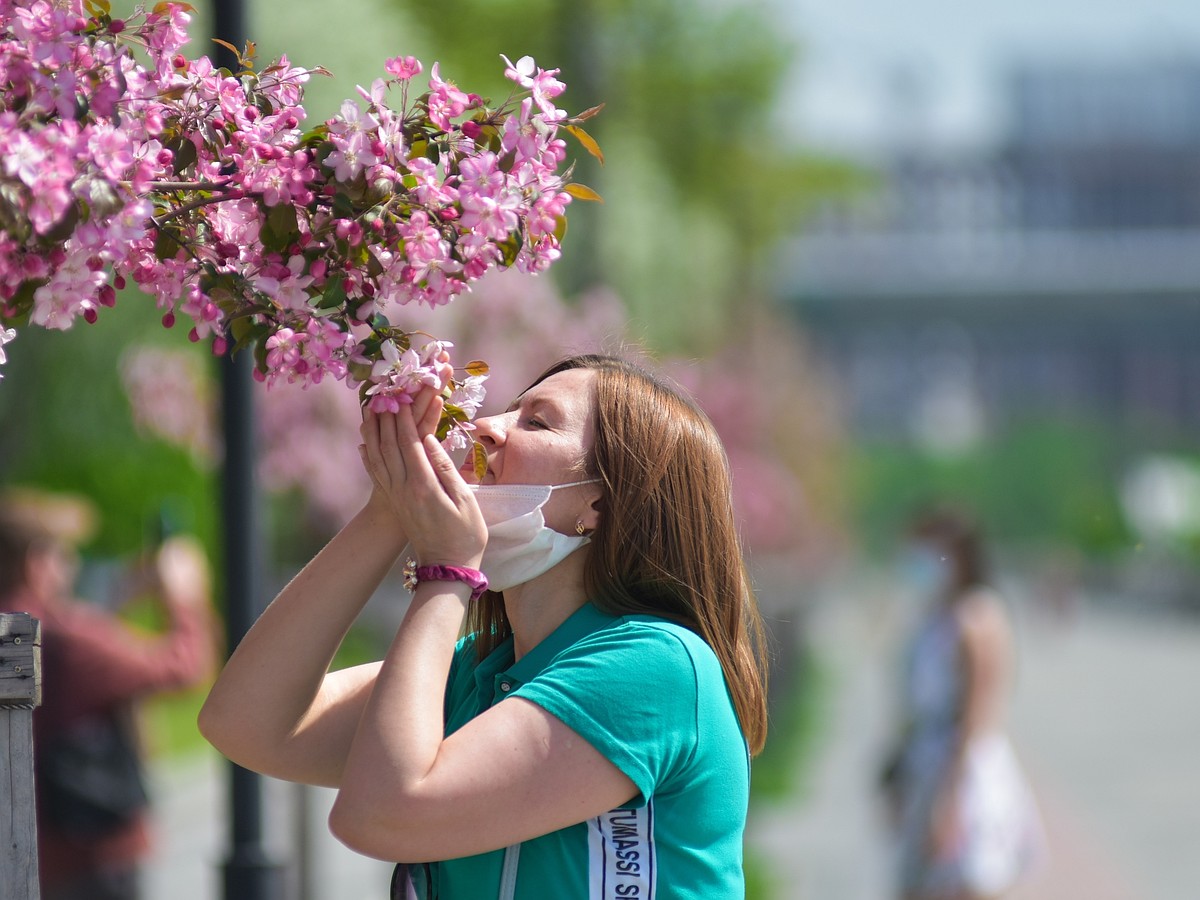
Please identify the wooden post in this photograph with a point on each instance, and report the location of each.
(20, 692)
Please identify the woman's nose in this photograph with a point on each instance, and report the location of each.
(490, 430)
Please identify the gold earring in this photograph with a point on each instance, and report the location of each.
(579, 526)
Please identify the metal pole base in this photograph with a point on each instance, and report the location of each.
(248, 875)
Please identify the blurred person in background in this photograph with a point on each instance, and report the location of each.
(966, 824)
(92, 805)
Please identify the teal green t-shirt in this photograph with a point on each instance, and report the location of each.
(651, 697)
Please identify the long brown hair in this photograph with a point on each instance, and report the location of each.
(666, 543)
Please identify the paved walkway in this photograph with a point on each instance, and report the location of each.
(1105, 718)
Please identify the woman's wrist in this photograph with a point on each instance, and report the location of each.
(415, 574)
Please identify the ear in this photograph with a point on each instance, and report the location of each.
(591, 516)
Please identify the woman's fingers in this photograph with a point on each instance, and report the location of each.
(372, 460)
(443, 467)
(428, 423)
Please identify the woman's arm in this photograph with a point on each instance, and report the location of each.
(275, 708)
(984, 659)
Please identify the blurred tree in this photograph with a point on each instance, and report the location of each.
(66, 426)
(699, 182)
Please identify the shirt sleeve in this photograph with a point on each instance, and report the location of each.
(107, 663)
(631, 692)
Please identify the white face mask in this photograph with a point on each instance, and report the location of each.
(520, 545)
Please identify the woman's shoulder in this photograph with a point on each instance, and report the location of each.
(982, 616)
(650, 642)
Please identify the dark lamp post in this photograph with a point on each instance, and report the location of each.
(248, 872)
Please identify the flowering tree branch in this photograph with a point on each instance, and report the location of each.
(121, 159)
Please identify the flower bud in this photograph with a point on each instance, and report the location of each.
(107, 296)
(119, 282)
(219, 346)
(116, 26)
(168, 320)
(178, 61)
(89, 314)
(472, 129)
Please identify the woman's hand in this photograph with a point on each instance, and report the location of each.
(945, 826)
(182, 573)
(421, 485)
(426, 410)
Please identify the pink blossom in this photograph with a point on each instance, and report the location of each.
(526, 133)
(403, 67)
(348, 131)
(283, 350)
(492, 217)
(445, 101)
(430, 188)
(111, 150)
(258, 220)
(541, 82)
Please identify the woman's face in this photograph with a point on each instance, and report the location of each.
(544, 437)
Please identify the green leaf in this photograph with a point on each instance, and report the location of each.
(334, 296)
(246, 331)
(374, 266)
(260, 356)
(343, 206)
(22, 301)
(509, 248)
(185, 155)
(281, 228)
(165, 246)
(476, 367)
(560, 228)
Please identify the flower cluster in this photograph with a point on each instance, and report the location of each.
(122, 160)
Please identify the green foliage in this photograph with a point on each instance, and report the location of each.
(779, 771)
(699, 182)
(1041, 481)
(760, 885)
(67, 428)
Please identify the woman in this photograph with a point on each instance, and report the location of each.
(968, 828)
(620, 633)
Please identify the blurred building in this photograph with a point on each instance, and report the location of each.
(1057, 274)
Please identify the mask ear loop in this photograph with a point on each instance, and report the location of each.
(555, 487)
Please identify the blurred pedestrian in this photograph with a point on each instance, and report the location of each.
(966, 824)
(92, 805)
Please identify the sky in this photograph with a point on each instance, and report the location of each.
(952, 56)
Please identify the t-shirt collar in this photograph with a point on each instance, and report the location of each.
(584, 621)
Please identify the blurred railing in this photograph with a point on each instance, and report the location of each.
(20, 692)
